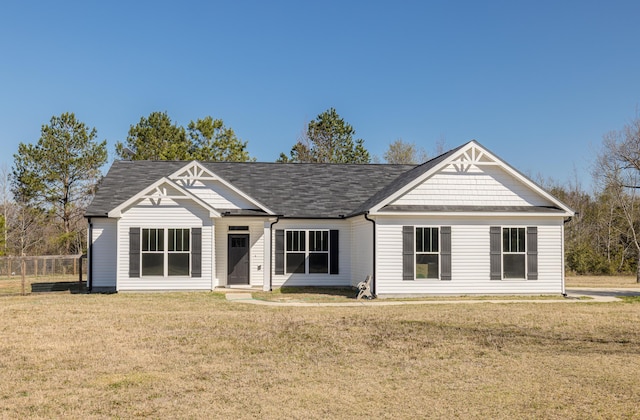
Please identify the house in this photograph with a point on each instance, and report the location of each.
(464, 222)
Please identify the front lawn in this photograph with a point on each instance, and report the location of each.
(195, 355)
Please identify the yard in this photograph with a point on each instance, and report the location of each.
(195, 355)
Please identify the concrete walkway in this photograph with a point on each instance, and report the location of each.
(573, 296)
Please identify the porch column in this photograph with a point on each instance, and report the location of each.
(266, 272)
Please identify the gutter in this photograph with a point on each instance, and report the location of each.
(373, 280)
(271, 252)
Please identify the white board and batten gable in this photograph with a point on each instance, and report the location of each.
(472, 178)
(214, 190)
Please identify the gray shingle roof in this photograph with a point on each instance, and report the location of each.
(402, 180)
(288, 189)
(297, 190)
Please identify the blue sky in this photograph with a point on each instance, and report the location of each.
(537, 82)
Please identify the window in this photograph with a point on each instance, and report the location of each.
(318, 251)
(514, 252)
(178, 252)
(296, 251)
(427, 253)
(165, 252)
(307, 251)
(152, 252)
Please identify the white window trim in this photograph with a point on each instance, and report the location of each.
(416, 253)
(503, 253)
(165, 253)
(307, 252)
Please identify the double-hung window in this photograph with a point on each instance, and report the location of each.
(318, 251)
(296, 251)
(165, 252)
(427, 253)
(307, 251)
(178, 252)
(514, 253)
(153, 252)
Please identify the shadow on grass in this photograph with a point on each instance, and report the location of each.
(72, 287)
(346, 292)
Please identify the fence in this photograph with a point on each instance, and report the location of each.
(22, 275)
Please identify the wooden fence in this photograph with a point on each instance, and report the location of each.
(22, 275)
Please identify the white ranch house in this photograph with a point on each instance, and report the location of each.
(464, 222)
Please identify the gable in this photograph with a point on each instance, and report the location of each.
(162, 193)
(217, 195)
(472, 186)
(214, 190)
(472, 179)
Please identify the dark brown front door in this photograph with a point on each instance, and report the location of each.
(238, 260)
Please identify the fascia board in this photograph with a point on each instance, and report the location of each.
(474, 214)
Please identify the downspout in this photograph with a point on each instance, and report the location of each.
(564, 291)
(374, 279)
(271, 252)
(90, 257)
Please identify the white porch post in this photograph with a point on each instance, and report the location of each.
(266, 272)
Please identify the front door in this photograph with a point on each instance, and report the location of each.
(238, 260)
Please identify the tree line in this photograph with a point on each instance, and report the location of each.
(44, 195)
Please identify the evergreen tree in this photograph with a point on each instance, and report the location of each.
(60, 172)
(328, 139)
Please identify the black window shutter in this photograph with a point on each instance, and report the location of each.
(407, 253)
(333, 252)
(196, 252)
(495, 244)
(445, 253)
(279, 251)
(532, 253)
(134, 252)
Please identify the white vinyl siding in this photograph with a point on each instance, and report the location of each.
(104, 255)
(168, 214)
(476, 186)
(361, 249)
(470, 260)
(343, 278)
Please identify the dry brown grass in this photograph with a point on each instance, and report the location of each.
(13, 285)
(602, 281)
(195, 355)
(337, 295)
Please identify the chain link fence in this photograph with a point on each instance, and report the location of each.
(44, 273)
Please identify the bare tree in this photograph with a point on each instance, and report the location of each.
(405, 153)
(7, 206)
(618, 172)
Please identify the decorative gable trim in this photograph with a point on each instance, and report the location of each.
(157, 192)
(195, 171)
(471, 154)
